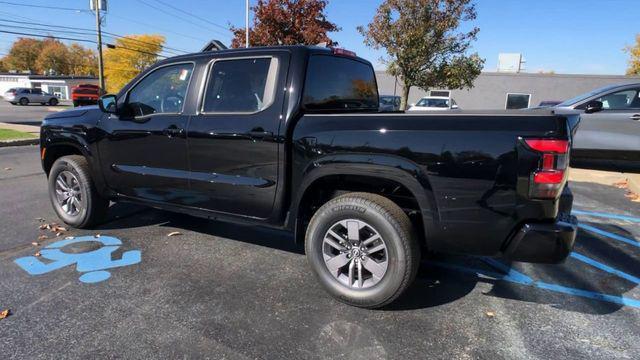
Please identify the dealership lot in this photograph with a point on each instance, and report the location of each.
(245, 292)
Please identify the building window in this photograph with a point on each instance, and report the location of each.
(517, 101)
(442, 93)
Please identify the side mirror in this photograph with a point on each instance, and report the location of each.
(593, 106)
(108, 104)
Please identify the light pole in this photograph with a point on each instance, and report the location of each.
(246, 24)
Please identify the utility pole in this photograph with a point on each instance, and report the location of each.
(97, 6)
(246, 23)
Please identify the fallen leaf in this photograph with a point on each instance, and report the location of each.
(175, 233)
(37, 254)
(58, 234)
(632, 196)
(8, 168)
(69, 238)
(4, 314)
(44, 226)
(35, 243)
(490, 314)
(40, 219)
(621, 184)
(98, 235)
(42, 237)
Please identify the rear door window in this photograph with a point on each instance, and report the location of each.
(339, 83)
(240, 85)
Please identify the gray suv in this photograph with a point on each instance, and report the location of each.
(609, 131)
(25, 96)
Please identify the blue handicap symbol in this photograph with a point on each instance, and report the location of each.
(93, 263)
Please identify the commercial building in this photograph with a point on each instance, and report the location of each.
(59, 86)
(501, 90)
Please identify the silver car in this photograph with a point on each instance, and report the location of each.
(609, 128)
(25, 96)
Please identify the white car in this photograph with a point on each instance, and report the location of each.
(434, 103)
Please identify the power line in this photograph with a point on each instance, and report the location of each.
(177, 16)
(90, 32)
(43, 6)
(195, 16)
(77, 39)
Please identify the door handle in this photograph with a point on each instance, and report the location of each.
(172, 131)
(635, 117)
(260, 134)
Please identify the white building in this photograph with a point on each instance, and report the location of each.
(59, 86)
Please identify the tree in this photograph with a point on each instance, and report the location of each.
(53, 57)
(634, 61)
(423, 44)
(3, 65)
(131, 55)
(82, 61)
(287, 22)
(23, 55)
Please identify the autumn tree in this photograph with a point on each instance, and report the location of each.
(3, 65)
(53, 58)
(23, 55)
(287, 22)
(424, 45)
(131, 55)
(634, 61)
(82, 61)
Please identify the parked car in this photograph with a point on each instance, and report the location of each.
(26, 96)
(85, 94)
(548, 103)
(290, 137)
(389, 103)
(609, 133)
(434, 103)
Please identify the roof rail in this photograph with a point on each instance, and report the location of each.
(214, 45)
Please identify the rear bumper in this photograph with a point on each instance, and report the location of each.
(544, 242)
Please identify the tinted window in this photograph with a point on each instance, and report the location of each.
(36, 91)
(162, 91)
(336, 83)
(517, 101)
(625, 99)
(242, 85)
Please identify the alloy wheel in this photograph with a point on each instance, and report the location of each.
(69, 193)
(355, 253)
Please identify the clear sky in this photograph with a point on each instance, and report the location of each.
(565, 36)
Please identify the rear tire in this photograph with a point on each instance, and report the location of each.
(53, 102)
(364, 216)
(73, 193)
(24, 101)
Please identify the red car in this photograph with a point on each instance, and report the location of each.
(85, 94)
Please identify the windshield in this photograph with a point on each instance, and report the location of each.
(439, 103)
(585, 96)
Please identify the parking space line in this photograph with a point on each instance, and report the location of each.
(609, 235)
(604, 267)
(606, 215)
(522, 279)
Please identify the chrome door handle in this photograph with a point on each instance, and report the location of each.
(635, 117)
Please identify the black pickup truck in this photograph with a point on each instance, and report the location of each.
(291, 137)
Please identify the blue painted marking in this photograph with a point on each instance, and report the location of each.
(512, 275)
(609, 235)
(93, 263)
(95, 276)
(604, 267)
(606, 215)
(539, 284)
(589, 294)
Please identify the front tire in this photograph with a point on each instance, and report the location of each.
(73, 194)
(363, 250)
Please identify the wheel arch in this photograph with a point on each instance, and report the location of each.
(404, 183)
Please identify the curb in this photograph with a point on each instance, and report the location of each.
(24, 142)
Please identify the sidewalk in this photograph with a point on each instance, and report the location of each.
(34, 130)
(606, 178)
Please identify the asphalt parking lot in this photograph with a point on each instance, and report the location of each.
(29, 115)
(225, 291)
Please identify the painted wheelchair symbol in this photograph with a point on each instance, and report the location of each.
(93, 263)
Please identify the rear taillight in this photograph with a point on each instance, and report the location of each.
(344, 52)
(549, 178)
